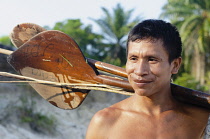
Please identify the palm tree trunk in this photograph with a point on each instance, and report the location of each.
(202, 69)
(198, 70)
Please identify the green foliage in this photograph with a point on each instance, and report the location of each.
(114, 28)
(36, 120)
(5, 40)
(83, 35)
(188, 81)
(192, 17)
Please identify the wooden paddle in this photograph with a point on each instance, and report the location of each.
(54, 56)
(184, 94)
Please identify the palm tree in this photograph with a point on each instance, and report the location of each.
(192, 17)
(114, 28)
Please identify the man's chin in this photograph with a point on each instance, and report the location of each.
(143, 92)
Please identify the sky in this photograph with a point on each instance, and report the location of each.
(48, 12)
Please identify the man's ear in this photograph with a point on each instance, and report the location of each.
(176, 63)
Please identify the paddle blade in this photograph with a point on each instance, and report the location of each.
(23, 32)
(54, 56)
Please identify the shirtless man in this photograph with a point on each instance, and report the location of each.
(154, 54)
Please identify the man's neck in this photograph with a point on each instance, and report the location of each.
(155, 104)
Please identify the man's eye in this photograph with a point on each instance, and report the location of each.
(133, 58)
(152, 59)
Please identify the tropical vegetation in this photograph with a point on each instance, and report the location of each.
(114, 28)
(192, 17)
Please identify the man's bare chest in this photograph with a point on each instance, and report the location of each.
(169, 126)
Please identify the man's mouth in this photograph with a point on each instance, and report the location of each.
(142, 83)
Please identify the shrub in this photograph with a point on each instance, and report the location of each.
(188, 81)
(37, 121)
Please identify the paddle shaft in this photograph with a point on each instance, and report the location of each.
(179, 92)
(107, 67)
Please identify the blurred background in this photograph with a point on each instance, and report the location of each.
(100, 28)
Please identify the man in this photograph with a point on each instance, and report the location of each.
(153, 55)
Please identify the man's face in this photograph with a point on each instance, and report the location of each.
(148, 68)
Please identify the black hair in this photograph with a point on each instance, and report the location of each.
(158, 29)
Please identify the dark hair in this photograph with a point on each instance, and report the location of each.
(158, 29)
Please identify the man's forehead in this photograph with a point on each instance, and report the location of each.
(149, 40)
(149, 47)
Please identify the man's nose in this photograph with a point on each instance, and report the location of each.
(141, 68)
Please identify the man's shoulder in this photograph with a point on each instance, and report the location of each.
(190, 108)
(195, 112)
(199, 116)
(107, 115)
(110, 114)
(104, 120)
